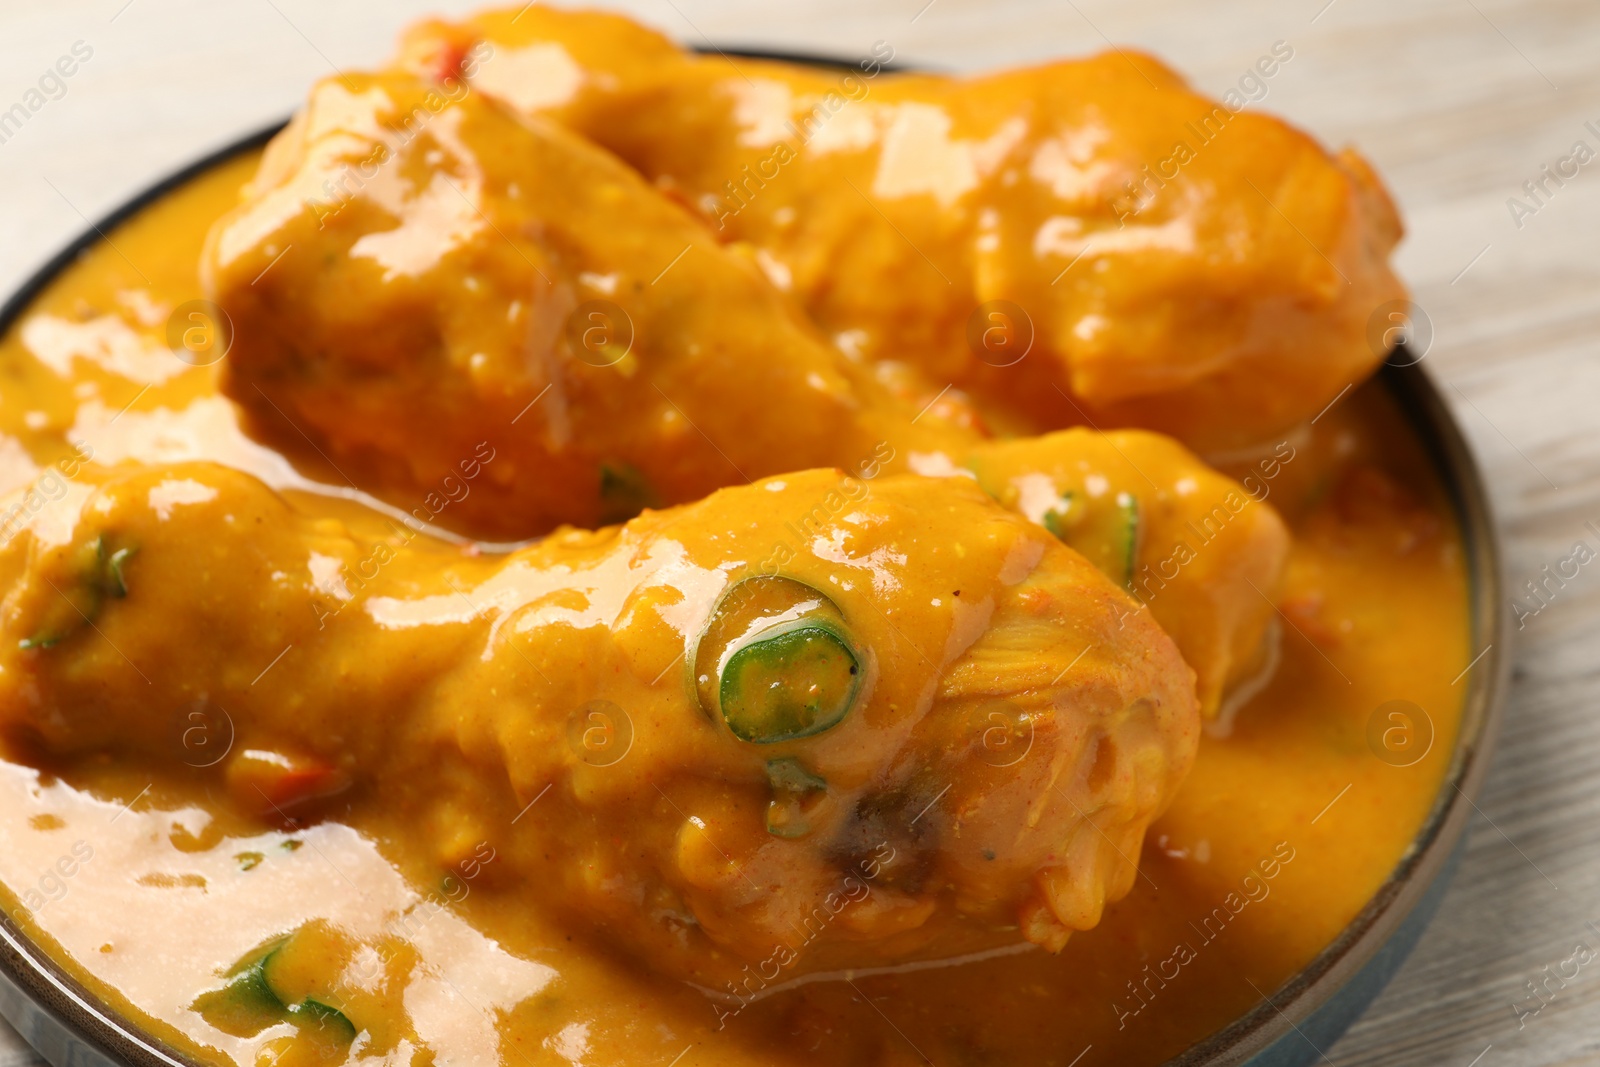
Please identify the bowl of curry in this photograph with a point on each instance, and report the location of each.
(575, 551)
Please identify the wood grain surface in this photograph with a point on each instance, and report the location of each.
(1457, 102)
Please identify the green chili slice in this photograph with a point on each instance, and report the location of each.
(775, 662)
(794, 683)
(258, 995)
(246, 1005)
(326, 1018)
(1105, 531)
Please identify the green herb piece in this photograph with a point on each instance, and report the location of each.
(623, 492)
(795, 792)
(98, 576)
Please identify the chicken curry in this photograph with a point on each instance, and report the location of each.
(831, 714)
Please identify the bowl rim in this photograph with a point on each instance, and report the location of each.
(1487, 676)
(84, 1015)
(24, 964)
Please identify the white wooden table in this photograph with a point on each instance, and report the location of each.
(1458, 103)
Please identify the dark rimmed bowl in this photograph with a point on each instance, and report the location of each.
(71, 1027)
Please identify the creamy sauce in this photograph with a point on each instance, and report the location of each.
(1126, 230)
(1282, 832)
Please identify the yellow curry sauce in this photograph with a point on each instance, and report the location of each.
(892, 204)
(1294, 812)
